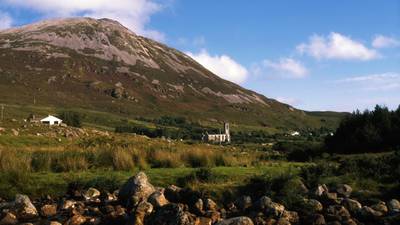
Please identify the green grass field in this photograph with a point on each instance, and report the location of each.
(55, 184)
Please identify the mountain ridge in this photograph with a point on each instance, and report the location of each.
(100, 64)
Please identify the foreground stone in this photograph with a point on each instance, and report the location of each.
(236, 221)
(24, 208)
(135, 190)
(140, 203)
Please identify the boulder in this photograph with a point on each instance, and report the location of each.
(199, 207)
(68, 205)
(283, 221)
(135, 190)
(352, 205)
(329, 198)
(243, 203)
(236, 221)
(339, 211)
(203, 221)
(263, 203)
(313, 205)
(394, 206)
(210, 205)
(91, 194)
(8, 219)
(315, 219)
(275, 209)
(54, 223)
(321, 189)
(157, 199)
(48, 210)
(213, 215)
(368, 213)
(291, 216)
(14, 132)
(171, 214)
(76, 220)
(143, 209)
(173, 193)
(25, 210)
(344, 190)
(380, 207)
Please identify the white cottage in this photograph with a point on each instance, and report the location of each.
(51, 120)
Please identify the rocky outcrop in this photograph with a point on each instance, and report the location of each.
(140, 203)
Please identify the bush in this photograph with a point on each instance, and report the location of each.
(286, 188)
(71, 118)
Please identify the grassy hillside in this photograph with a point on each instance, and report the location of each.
(83, 64)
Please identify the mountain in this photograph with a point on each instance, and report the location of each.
(99, 65)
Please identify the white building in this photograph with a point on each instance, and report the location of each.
(224, 137)
(51, 120)
(295, 133)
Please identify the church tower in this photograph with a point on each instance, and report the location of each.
(227, 132)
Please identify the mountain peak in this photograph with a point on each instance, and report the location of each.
(100, 64)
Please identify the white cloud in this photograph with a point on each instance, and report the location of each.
(336, 46)
(5, 21)
(287, 67)
(381, 41)
(221, 65)
(375, 82)
(134, 14)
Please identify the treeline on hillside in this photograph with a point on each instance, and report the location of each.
(369, 131)
(166, 126)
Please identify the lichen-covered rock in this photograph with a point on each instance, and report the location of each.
(25, 210)
(136, 189)
(236, 221)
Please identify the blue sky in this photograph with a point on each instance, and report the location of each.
(316, 55)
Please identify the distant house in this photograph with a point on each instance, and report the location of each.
(295, 133)
(222, 137)
(51, 120)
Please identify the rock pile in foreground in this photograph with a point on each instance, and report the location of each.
(138, 202)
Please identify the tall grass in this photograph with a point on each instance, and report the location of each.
(122, 155)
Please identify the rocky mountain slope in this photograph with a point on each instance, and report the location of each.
(100, 65)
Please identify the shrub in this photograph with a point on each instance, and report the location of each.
(71, 118)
